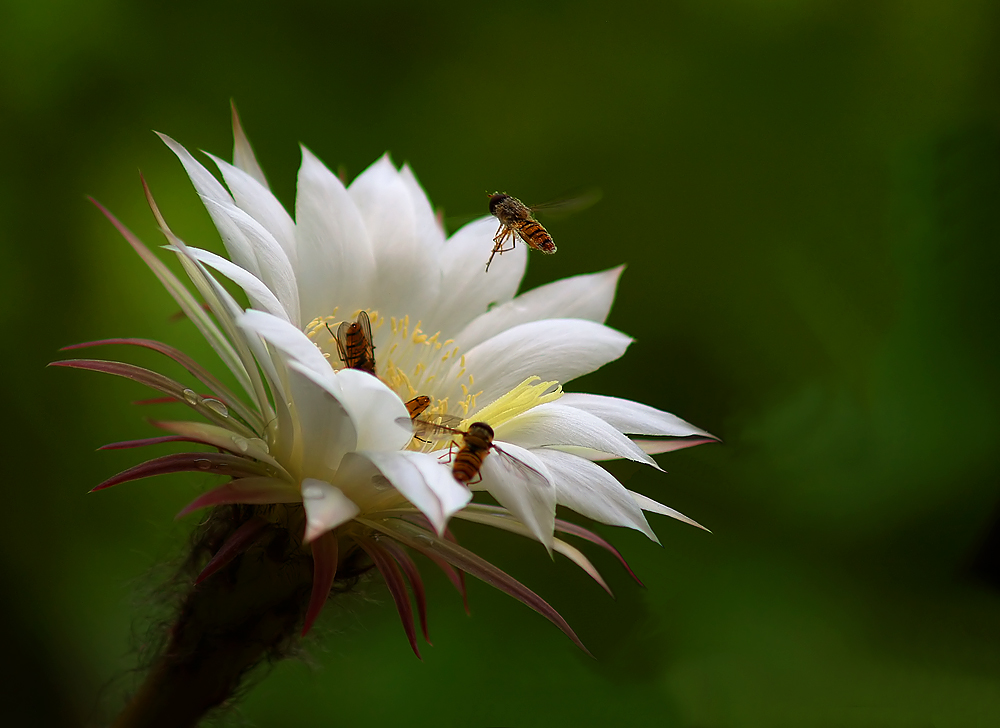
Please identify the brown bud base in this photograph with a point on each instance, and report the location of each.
(246, 612)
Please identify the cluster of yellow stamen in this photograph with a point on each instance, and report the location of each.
(409, 362)
(529, 393)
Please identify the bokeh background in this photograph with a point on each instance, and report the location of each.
(807, 193)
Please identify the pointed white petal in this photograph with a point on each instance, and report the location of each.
(553, 424)
(467, 290)
(260, 295)
(592, 491)
(631, 417)
(243, 156)
(429, 232)
(375, 410)
(256, 200)
(648, 504)
(326, 507)
(287, 339)
(324, 429)
(530, 496)
(423, 480)
(580, 297)
(335, 264)
(406, 272)
(553, 349)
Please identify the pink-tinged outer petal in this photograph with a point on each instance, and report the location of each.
(394, 580)
(238, 542)
(553, 349)
(179, 292)
(655, 447)
(571, 528)
(224, 439)
(155, 380)
(253, 490)
(632, 418)
(422, 540)
(213, 463)
(514, 526)
(565, 527)
(648, 504)
(149, 441)
(457, 578)
(219, 390)
(326, 507)
(582, 297)
(325, 551)
(243, 156)
(413, 576)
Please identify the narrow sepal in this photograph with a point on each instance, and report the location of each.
(575, 530)
(413, 576)
(461, 558)
(394, 581)
(213, 463)
(325, 551)
(238, 542)
(219, 390)
(252, 490)
(125, 444)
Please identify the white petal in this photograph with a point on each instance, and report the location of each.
(423, 480)
(243, 156)
(581, 297)
(324, 429)
(326, 507)
(467, 290)
(260, 295)
(553, 424)
(531, 496)
(335, 264)
(254, 198)
(406, 273)
(592, 491)
(631, 417)
(553, 349)
(375, 410)
(429, 231)
(648, 504)
(287, 339)
(211, 191)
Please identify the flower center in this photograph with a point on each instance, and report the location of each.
(407, 360)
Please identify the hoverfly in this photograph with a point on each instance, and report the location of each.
(354, 342)
(417, 405)
(477, 442)
(516, 222)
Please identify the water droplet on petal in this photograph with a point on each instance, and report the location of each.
(216, 406)
(312, 492)
(191, 397)
(242, 444)
(203, 464)
(261, 445)
(381, 482)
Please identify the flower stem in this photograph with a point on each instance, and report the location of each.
(230, 622)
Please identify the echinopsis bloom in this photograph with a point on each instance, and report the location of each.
(328, 452)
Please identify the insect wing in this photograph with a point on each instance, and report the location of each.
(342, 342)
(366, 328)
(568, 205)
(438, 426)
(519, 469)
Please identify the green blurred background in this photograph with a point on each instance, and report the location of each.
(807, 193)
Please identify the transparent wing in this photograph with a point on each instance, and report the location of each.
(366, 328)
(518, 468)
(342, 341)
(568, 204)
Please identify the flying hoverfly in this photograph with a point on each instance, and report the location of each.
(354, 342)
(477, 442)
(517, 222)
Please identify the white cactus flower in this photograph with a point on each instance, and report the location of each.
(339, 440)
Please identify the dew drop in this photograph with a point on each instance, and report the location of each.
(381, 482)
(241, 443)
(191, 397)
(203, 464)
(216, 406)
